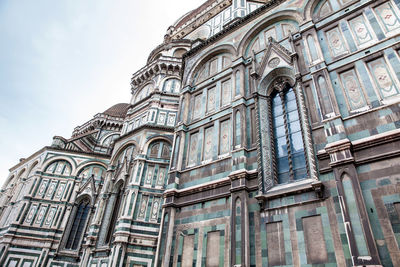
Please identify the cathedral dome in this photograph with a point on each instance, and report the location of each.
(118, 110)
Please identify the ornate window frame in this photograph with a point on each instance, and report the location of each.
(74, 250)
(268, 185)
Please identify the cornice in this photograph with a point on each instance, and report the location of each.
(230, 27)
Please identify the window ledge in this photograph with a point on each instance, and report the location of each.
(69, 253)
(293, 188)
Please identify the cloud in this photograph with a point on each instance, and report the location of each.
(63, 61)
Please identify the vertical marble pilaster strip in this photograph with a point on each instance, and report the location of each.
(308, 143)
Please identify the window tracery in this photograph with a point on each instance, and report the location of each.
(212, 67)
(171, 85)
(128, 153)
(144, 92)
(60, 167)
(289, 152)
(76, 232)
(96, 170)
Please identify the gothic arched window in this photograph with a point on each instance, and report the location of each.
(159, 149)
(80, 214)
(60, 167)
(289, 151)
(171, 85)
(127, 154)
(117, 197)
(96, 170)
(212, 67)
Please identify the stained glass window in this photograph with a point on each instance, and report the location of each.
(78, 226)
(288, 140)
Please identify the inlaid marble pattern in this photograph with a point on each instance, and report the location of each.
(143, 207)
(161, 176)
(335, 42)
(353, 89)
(31, 213)
(208, 143)
(50, 216)
(226, 93)
(43, 187)
(197, 106)
(171, 119)
(225, 136)
(388, 17)
(155, 209)
(193, 149)
(382, 78)
(52, 188)
(41, 214)
(60, 190)
(272, 33)
(149, 176)
(211, 99)
(360, 30)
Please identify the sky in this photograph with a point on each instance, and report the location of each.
(61, 62)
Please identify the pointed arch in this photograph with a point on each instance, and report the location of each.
(122, 148)
(219, 50)
(287, 73)
(264, 24)
(33, 167)
(154, 139)
(51, 160)
(75, 230)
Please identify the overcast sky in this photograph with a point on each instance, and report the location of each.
(63, 61)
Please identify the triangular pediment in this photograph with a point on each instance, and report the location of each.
(275, 56)
(123, 171)
(89, 187)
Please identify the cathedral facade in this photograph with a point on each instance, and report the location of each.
(259, 133)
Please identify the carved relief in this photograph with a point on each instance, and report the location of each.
(274, 62)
